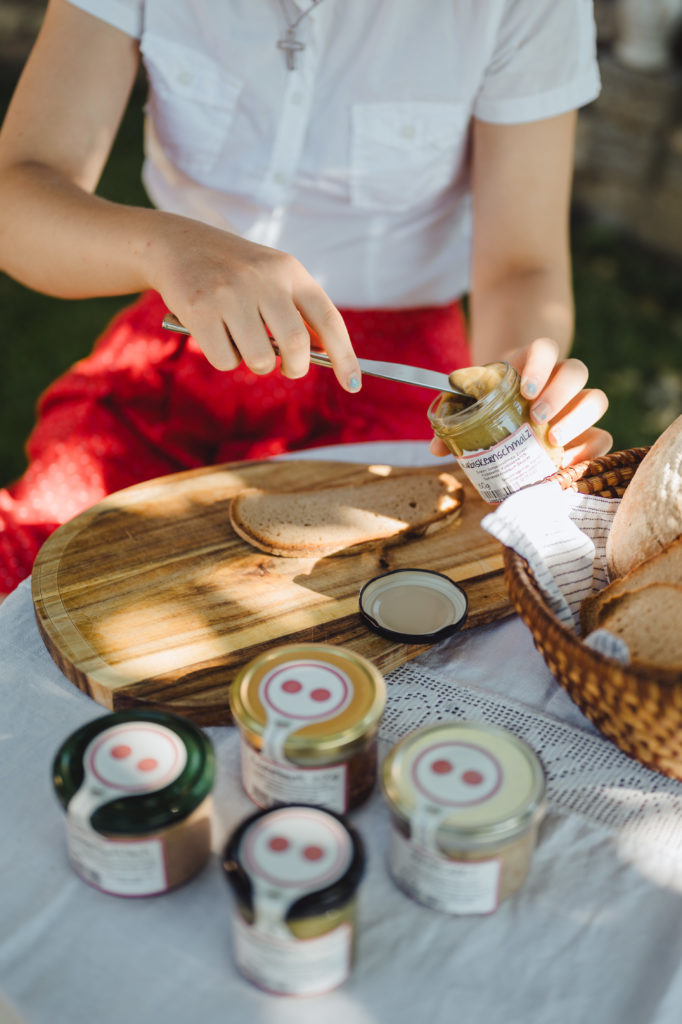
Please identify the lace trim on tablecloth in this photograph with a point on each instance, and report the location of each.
(586, 773)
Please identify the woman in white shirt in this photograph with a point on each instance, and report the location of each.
(351, 168)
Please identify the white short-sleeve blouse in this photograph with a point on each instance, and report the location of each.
(356, 160)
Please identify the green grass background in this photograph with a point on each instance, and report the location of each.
(628, 321)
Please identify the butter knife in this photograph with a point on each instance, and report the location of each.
(372, 367)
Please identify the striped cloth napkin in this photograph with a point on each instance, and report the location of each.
(562, 535)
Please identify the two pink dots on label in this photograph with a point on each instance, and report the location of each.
(145, 764)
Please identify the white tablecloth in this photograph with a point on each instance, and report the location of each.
(595, 935)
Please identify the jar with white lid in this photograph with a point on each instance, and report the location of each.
(466, 801)
(294, 872)
(137, 790)
(308, 717)
(494, 440)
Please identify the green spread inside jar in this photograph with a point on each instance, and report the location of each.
(499, 410)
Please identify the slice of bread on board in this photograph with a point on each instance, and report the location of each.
(649, 515)
(663, 567)
(302, 524)
(649, 620)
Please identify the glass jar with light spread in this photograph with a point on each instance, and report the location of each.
(136, 787)
(493, 439)
(294, 872)
(466, 800)
(308, 717)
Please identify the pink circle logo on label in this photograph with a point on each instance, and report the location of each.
(136, 757)
(307, 691)
(296, 848)
(456, 774)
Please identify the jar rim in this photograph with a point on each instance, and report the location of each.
(297, 743)
(146, 812)
(396, 789)
(478, 409)
(321, 901)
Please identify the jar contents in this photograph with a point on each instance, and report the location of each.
(294, 872)
(466, 801)
(308, 716)
(136, 787)
(494, 440)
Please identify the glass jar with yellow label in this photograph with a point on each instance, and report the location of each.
(466, 801)
(308, 717)
(493, 439)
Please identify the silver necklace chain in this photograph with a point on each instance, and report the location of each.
(290, 44)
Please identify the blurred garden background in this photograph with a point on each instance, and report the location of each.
(626, 237)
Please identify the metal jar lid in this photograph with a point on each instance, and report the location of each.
(158, 766)
(413, 605)
(328, 697)
(481, 782)
(305, 860)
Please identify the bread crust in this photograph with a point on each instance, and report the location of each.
(650, 512)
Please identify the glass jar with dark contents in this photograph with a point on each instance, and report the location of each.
(308, 717)
(494, 439)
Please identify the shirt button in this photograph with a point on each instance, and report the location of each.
(185, 77)
(280, 177)
(297, 98)
(407, 131)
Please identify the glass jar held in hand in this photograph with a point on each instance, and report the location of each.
(531, 416)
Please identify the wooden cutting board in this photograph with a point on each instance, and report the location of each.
(149, 599)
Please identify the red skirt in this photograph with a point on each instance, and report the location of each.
(146, 402)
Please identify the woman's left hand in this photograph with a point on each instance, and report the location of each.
(556, 389)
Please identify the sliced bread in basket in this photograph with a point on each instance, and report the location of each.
(649, 620)
(663, 567)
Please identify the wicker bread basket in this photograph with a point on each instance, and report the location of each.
(639, 708)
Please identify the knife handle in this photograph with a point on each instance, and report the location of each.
(171, 323)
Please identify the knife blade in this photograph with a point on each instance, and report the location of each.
(401, 372)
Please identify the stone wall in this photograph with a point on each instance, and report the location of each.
(629, 145)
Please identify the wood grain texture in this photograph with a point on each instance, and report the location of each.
(149, 599)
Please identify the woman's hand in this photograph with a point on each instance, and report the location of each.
(225, 290)
(556, 389)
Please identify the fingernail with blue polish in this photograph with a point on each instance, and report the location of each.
(354, 384)
(530, 387)
(540, 412)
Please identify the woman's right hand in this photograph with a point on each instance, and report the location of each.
(225, 290)
(60, 238)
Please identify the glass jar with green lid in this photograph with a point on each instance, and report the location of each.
(494, 439)
(136, 787)
(466, 801)
(308, 717)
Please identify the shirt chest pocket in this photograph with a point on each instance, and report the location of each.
(405, 153)
(191, 103)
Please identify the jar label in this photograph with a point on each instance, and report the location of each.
(124, 868)
(289, 966)
(518, 460)
(455, 886)
(269, 782)
(297, 694)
